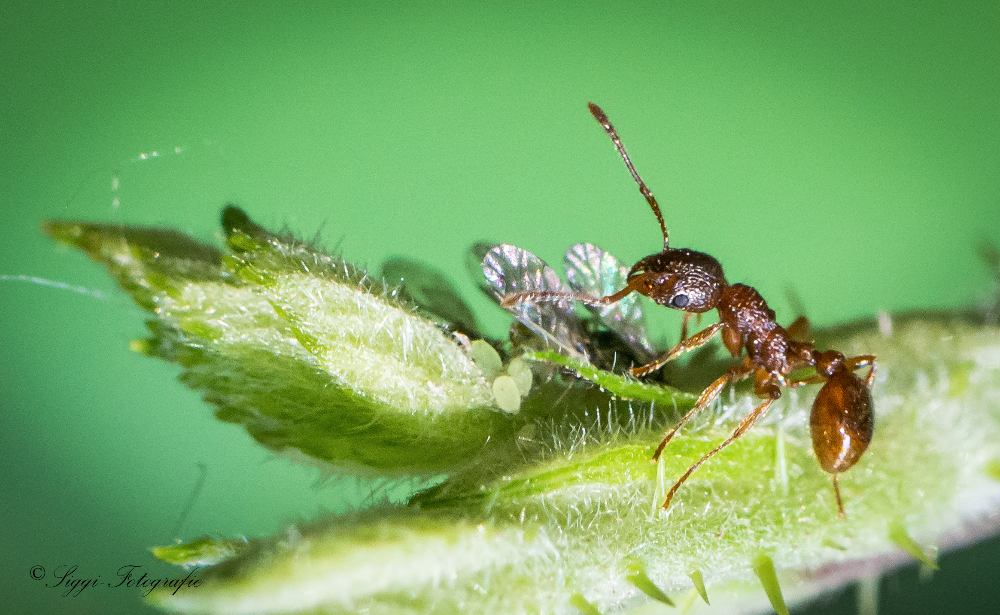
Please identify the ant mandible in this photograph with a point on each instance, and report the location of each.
(841, 421)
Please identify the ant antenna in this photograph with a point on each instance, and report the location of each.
(558, 295)
(602, 119)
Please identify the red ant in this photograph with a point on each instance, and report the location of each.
(841, 420)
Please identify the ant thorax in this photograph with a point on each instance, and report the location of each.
(745, 311)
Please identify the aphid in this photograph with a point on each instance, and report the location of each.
(691, 281)
(508, 270)
(594, 272)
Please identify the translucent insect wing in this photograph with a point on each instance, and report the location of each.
(432, 291)
(592, 271)
(508, 270)
(474, 265)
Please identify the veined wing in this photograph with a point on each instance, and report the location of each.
(474, 265)
(509, 269)
(594, 272)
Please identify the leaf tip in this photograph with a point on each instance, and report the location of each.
(639, 579)
(699, 584)
(902, 539)
(583, 605)
(763, 567)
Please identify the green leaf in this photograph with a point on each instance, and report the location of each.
(573, 521)
(552, 506)
(204, 551)
(149, 263)
(619, 386)
(301, 348)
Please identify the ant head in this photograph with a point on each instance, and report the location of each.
(681, 279)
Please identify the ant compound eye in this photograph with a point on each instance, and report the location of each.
(680, 301)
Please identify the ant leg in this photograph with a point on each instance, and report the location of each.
(684, 325)
(747, 423)
(794, 384)
(864, 360)
(840, 502)
(707, 396)
(695, 341)
(733, 341)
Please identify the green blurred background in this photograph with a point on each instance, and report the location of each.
(846, 152)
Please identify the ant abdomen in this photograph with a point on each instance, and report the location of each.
(841, 421)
